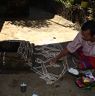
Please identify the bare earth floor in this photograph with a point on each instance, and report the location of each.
(10, 86)
(54, 30)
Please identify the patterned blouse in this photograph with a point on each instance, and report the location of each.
(88, 47)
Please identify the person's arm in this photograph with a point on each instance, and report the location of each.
(63, 53)
(71, 47)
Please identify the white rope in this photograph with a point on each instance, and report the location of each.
(25, 50)
(48, 53)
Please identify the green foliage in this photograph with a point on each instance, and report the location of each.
(67, 3)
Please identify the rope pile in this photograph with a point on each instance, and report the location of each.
(44, 54)
(26, 51)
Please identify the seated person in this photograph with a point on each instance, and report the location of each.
(84, 44)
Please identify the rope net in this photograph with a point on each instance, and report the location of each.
(50, 72)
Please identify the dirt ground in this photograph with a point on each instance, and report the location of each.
(40, 32)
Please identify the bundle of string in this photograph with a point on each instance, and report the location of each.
(48, 53)
(26, 51)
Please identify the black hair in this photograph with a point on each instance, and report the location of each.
(90, 24)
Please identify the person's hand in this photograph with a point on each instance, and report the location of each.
(53, 61)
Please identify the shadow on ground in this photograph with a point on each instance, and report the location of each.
(1, 24)
(31, 23)
(37, 18)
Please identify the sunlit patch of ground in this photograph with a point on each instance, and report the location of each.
(39, 32)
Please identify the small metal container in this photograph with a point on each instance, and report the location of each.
(23, 87)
